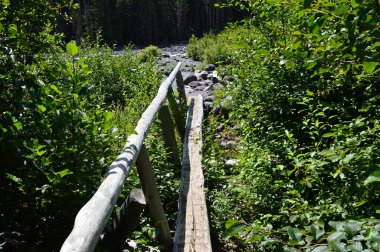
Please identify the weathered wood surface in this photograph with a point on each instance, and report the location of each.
(178, 114)
(192, 227)
(91, 219)
(182, 92)
(169, 136)
(156, 211)
(125, 221)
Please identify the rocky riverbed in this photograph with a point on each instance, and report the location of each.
(197, 81)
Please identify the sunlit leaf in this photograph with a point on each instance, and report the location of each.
(374, 177)
(369, 66)
(72, 48)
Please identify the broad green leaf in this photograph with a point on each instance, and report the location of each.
(369, 66)
(316, 233)
(310, 64)
(64, 173)
(360, 203)
(230, 223)
(54, 87)
(233, 230)
(337, 246)
(72, 48)
(354, 3)
(348, 158)
(294, 234)
(12, 31)
(107, 115)
(351, 228)
(42, 108)
(329, 134)
(374, 177)
(6, 3)
(18, 125)
(322, 248)
(355, 246)
(336, 236)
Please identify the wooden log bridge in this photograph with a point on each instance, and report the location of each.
(192, 227)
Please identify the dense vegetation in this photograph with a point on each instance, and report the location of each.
(300, 120)
(65, 113)
(144, 22)
(304, 124)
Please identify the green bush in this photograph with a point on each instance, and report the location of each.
(305, 101)
(211, 48)
(148, 53)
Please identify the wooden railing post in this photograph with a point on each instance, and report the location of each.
(153, 199)
(182, 93)
(169, 135)
(177, 114)
(125, 221)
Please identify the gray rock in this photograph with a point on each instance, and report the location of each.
(210, 98)
(189, 79)
(165, 55)
(204, 75)
(215, 79)
(199, 88)
(208, 106)
(210, 67)
(217, 86)
(208, 82)
(194, 84)
(210, 76)
(208, 88)
(198, 71)
(229, 78)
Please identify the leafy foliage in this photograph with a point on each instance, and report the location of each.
(306, 104)
(60, 123)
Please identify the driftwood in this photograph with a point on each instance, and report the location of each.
(125, 221)
(93, 216)
(192, 227)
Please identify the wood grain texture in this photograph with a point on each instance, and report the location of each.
(125, 220)
(153, 199)
(192, 227)
(92, 218)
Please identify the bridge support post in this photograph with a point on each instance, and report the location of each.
(125, 221)
(169, 135)
(153, 199)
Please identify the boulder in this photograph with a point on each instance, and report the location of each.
(199, 88)
(210, 76)
(210, 98)
(194, 84)
(215, 79)
(204, 75)
(217, 86)
(189, 79)
(210, 67)
(229, 78)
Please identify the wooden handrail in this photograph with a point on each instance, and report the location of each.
(92, 218)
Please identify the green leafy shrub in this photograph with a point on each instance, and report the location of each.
(148, 53)
(305, 101)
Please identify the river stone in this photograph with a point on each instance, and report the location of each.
(229, 78)
(208, 106)
(199, 88)
(209, 76)
(210, 98)
(189, 79)
(194, 84)
(210, 67)
(217, 86)
(204, 75)
(215, 79)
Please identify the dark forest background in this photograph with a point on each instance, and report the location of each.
(143, 22)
